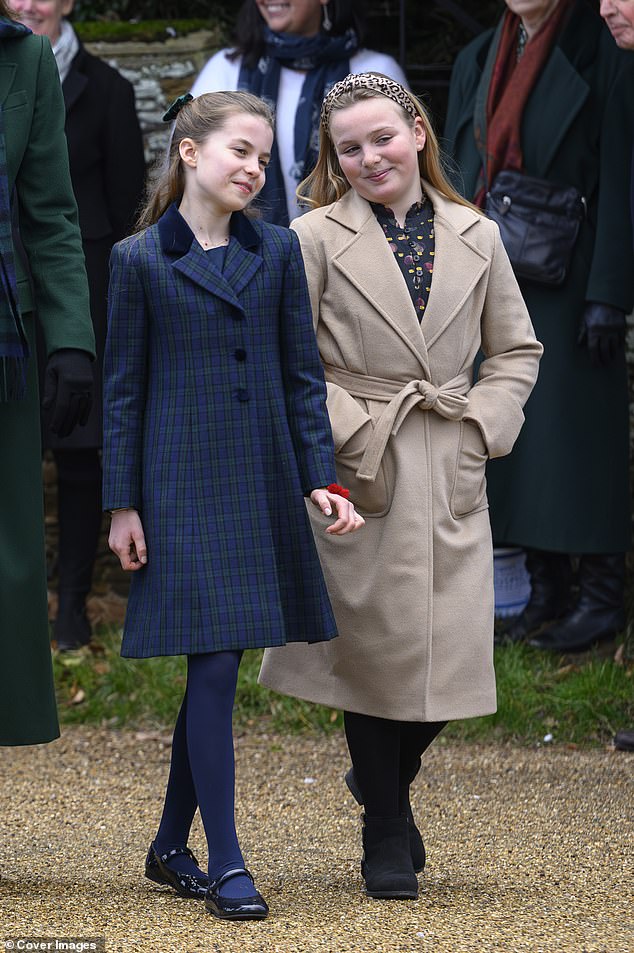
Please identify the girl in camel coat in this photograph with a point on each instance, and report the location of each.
(408, 282)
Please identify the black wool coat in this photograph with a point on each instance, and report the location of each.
(107, 168)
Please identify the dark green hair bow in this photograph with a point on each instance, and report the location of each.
(176, 107)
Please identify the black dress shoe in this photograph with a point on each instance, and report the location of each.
(579, 631)
(187, 885)
(416, 844)
(235, 908)
(71, 629)
(599, 614)
(624, 740)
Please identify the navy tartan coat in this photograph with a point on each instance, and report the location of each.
(215, 427)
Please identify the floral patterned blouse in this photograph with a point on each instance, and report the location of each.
(413, 247)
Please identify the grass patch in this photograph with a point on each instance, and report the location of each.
(583, 701)
(97, 686)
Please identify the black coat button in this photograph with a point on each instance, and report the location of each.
(242, 394)
(240, 354)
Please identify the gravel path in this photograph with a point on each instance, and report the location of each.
(528, 850)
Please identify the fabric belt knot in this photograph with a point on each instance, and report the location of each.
(448, 400)
(429, 393)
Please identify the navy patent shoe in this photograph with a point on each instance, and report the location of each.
(235, 908)
(186, 885)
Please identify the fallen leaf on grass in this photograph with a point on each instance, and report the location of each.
(565, 670)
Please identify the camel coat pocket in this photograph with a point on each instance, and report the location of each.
(469, 489)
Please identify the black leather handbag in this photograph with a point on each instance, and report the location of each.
(539, 223)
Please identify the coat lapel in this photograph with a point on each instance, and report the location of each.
(458, 264)
(73, 86)
(367, 263)
(543, 130)
(7, 72)
(241, 262)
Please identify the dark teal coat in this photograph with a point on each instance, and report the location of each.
(565, 485)
(37, 164)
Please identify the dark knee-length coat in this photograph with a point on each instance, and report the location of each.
(215, 426)
(37, 171)
(565, 485)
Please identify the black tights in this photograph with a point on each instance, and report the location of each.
(386, 757)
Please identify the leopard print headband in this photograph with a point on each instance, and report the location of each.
(382, 84)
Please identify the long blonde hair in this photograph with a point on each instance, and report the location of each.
(196, 120)
(327, 183)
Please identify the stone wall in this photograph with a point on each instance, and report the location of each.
(159, 72)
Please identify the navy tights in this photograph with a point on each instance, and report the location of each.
(202, 769)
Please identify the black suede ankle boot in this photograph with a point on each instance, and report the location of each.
(416, 845)
(387, 862)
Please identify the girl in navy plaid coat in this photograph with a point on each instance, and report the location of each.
(215, 429)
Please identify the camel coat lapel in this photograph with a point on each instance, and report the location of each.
(381, 285)
(458, 265)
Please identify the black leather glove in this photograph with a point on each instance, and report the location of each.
(68, 387)
(602, 331)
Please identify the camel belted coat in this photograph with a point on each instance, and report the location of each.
(412, 591)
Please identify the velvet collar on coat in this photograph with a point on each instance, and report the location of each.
(458, 265)
(242, 259)
(177, 236)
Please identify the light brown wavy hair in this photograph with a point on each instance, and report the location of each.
(196, 120)
(327, 183)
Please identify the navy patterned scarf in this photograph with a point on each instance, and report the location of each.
(14, 350)
(326, 60)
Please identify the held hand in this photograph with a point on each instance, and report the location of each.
(348, 520)
(127, 539)
(68, 388)
(602, 331)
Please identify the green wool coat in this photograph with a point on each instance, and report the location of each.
(37, 166)
(565, 485)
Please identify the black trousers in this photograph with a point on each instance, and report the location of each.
(79, 517)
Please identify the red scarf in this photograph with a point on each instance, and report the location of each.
(511, 84)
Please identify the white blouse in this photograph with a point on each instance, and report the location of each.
(221, 73)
